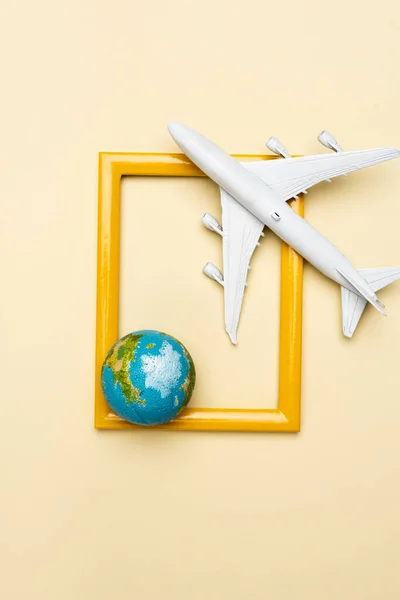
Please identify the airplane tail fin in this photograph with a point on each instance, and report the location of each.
(353, 304)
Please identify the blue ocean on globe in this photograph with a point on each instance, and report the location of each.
(148, 377)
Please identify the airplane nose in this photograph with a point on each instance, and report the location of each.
(175, 129)
(182, 135)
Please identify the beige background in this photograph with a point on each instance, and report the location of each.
(100, 515)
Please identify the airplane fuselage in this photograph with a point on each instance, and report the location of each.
(264, 203)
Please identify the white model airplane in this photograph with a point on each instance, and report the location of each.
(254, 194)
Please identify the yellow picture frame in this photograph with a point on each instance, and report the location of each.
(284, 418)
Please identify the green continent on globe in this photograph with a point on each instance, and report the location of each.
(118, 360)
(188, 385)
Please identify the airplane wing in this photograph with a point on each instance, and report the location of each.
(291, 176)
(241, 231)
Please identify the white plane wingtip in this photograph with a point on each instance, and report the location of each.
(232, 336)
(347, 333)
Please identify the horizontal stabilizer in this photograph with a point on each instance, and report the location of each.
(362, 291)
(353, 305)
(352, 308)
(381, 277)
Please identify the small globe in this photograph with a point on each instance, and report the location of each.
(148, 377)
